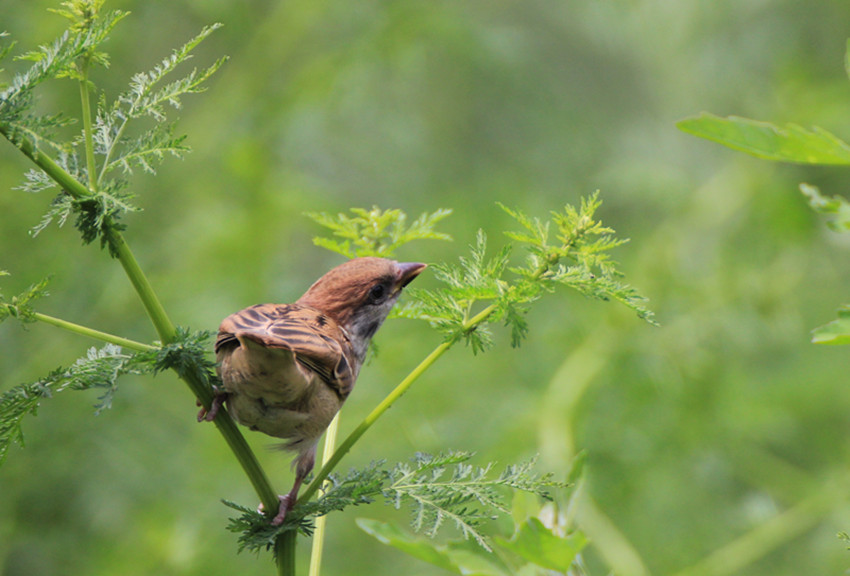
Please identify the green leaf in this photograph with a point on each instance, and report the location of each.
(535, 543)
(836, 332)
(456, 557)
(148, 97)
(411, 545)
(829, 205)
(20, 306)
(791, 143)
(98, 369)
(375, 232)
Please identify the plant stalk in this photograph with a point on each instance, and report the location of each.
(284, 552)
(91, 333)
(163, 325)
(385, 405)
(67, 182)
(91, 168)
(321, 521)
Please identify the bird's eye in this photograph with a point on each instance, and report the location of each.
(377, 293)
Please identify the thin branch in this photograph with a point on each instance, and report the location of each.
(91, 333)
(163, 325)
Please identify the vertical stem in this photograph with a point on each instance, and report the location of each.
(321, 521)
(91, 169)
(284, 552)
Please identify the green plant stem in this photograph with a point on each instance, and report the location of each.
(67, 182)
(321, 521)
(167, 332)
(91, 333)
(91, 168)
(284, 552)
(163, 325)
(386, 403)
(373, 416)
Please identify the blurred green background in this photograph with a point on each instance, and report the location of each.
(721, 427)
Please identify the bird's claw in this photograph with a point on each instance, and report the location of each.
(285, 506)
(209, 415)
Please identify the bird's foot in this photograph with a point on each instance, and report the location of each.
(219, 396)
(286, 504)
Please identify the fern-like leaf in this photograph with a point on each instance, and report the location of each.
(99, 368)
(375, 232)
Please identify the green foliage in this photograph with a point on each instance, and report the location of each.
(578, 258)
(357, 487)
(534, 549)
(791, 143)
(187, 355)
(132, 132)
(20, 306)
(446, 489)
(833, 205)
(97, 369)
(375, 232)
(437, 490)
(535, 542)
(115, 140)
(542, 540)
(835, 332)
(57, 60)
(148, 97)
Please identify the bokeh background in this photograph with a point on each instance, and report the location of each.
(717, 443)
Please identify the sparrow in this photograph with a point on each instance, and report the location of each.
(286, 369)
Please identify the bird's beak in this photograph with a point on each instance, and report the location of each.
(408, 271)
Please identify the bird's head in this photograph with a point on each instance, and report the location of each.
(359, 295)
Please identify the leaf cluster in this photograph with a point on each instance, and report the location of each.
(187, 355)
(133, 131)
(375, 232)
(20, 306)
(358, 487)
(534, 549)
(90, 27)
(99, 368)
(445, 488)
(437, 490)
(575, 255)
(543, 539)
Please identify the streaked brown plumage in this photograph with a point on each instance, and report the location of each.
(287, 368)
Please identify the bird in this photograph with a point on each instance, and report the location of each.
(286, 369)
